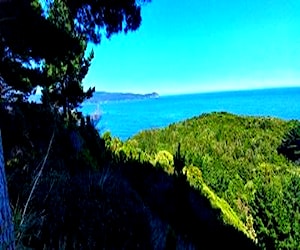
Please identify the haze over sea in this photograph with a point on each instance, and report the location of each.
(126, 118)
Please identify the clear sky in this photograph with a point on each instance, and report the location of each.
(203, 45)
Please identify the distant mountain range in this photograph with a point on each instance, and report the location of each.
(103, 96)
(108, 96)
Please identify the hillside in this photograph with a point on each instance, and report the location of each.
(238, 160)
(210, 180)
(100, 193)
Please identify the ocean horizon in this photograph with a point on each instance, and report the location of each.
(126, 118)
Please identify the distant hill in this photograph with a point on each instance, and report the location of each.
(108, 96)
(103, 96)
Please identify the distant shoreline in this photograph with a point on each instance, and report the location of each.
(102, 96)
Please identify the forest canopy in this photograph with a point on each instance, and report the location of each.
(245, 161)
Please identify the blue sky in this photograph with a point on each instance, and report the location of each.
(203, 45)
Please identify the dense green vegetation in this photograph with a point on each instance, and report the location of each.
(237, 158)
(153, 190)
(218, 179)
(96, 193)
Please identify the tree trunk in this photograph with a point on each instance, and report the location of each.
(6, 223)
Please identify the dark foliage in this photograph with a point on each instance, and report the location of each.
(188, 214)
(290, 146)
(179, 162)
(91, 198)
(32, 36)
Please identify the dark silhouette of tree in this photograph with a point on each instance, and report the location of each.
(26, 42)
(6, 225)
(179, 163)
(35, 39)
(32, 35)
(64, 77)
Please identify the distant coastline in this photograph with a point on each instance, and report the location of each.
(102, 96)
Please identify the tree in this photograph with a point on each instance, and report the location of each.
(6, 225)
(179, 163)
(27, 49)
(27, 32)
(65, 88)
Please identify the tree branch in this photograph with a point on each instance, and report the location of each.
(7, 19)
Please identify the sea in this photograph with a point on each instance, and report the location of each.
(126, 118)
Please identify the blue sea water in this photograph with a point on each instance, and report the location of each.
(126, 118)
